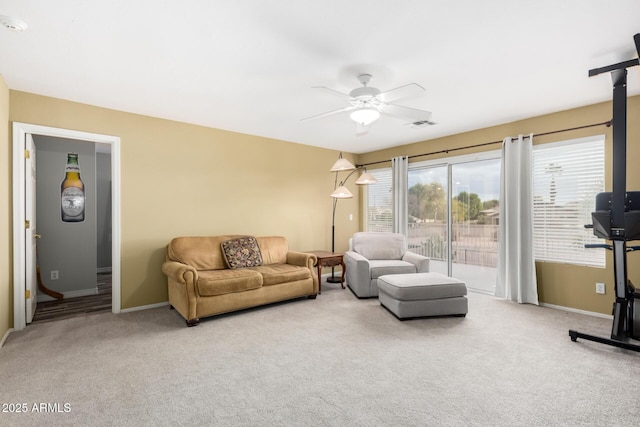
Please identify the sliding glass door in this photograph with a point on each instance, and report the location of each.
(454, 215)
(428, 228)
(474, 222)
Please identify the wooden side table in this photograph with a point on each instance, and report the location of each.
(328, 259)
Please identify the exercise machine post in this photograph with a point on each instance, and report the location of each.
(617, 218)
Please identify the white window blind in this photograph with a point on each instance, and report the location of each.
(566, 178)
(379, 203)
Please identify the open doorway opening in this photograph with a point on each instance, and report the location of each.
(74, 243)
(23, 234)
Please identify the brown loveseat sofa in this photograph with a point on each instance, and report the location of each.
(201, 282)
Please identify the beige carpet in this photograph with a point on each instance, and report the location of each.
(333, 361)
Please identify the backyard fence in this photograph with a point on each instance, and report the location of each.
(473, 244)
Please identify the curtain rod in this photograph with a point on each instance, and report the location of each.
(607, 123)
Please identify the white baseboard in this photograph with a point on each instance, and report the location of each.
(144, 307)
(575, 310)
(4, 338)
(71, 294)
(104, 270)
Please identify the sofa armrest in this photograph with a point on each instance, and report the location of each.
(181, 286)
(358, 273)
(179, 272)
(421, 262)
(302, 259)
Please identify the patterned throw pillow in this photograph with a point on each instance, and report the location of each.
(241, 252)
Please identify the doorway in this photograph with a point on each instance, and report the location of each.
(454, 216)
(22, 246)
(74, 251)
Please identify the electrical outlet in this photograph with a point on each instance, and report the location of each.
(54, 274)
(599, 288)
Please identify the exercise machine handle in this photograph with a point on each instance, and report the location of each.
(609, 247)
(598, 246)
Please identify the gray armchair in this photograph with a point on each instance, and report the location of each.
(372, 255)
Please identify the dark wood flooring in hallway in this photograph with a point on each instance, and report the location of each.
(80, 306)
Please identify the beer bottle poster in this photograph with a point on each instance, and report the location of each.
(72, 200)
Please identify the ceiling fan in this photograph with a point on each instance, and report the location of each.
(367, 103)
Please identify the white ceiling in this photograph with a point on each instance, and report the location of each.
(249, 65)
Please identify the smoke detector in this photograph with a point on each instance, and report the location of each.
(13, 24)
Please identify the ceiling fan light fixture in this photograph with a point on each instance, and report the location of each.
(365, 116)
(12, 23)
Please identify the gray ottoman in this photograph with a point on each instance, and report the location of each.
(422, 294)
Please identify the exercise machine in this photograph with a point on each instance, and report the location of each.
(617, 218)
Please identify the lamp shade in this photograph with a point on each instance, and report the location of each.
(342, 165)
(366, 178)
(365, 116)
(341, 192)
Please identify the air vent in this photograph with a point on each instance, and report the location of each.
(422, 123)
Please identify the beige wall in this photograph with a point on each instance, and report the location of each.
(558, 284)
(6, 293)
(180, 179)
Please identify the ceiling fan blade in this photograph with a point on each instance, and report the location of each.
(406, 113)
(332, 91)
(410, 90)
(329, 113)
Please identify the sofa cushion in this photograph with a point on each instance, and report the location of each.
(381, 267)
(379, 245)
(220, 282)
(200, 252)
(275, 274)
(421, 286)
(273, 249)
(241, 252)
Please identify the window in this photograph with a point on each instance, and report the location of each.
(379, 203)
(566, 178)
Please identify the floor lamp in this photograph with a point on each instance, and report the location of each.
(342, 192)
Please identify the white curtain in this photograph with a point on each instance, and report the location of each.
(516, 275)
(399, 170)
